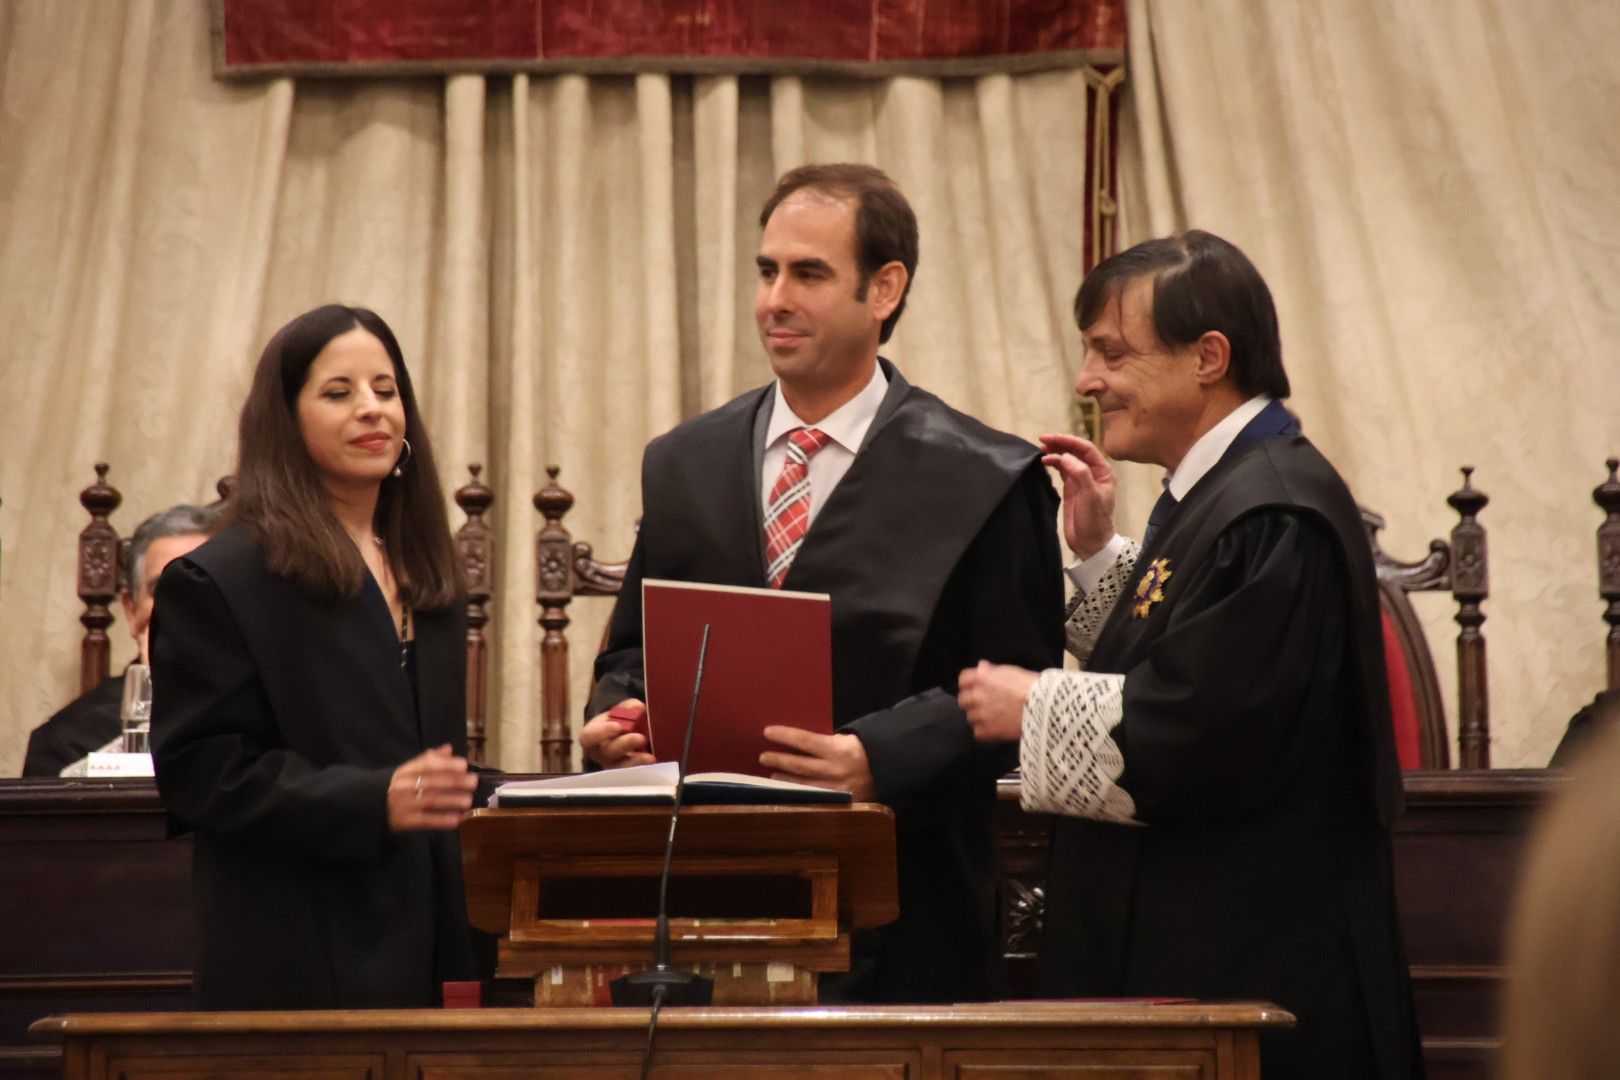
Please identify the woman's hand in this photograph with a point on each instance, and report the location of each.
(430, 791)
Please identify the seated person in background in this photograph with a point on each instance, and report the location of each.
(91, 721)
(1587, 726)
(1224, 766)
(934, 535)
(309, 692)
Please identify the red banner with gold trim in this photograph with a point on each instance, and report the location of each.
(858, 37)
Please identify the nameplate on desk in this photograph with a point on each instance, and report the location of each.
(113, 764)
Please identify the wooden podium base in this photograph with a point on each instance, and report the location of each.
(759, 899)
(734, 984)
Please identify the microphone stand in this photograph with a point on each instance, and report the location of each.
(661, 984)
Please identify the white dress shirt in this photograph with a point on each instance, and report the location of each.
(845, 427)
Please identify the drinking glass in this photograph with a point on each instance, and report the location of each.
(137, 709)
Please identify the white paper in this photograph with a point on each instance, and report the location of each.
(108, 764)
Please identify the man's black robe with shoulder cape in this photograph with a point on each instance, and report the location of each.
(88, 722)
(1258, 750)
(939, 549)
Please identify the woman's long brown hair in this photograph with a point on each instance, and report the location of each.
(279, 498)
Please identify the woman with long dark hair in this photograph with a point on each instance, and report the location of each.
(309, 685)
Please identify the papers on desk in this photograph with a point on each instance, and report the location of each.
(103, 763)
(654, 785)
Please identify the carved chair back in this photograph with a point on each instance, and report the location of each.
(103, 573)
(1458, 567)
(1607, 497)
(566, 568)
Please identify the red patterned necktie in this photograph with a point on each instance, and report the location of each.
(787, 508)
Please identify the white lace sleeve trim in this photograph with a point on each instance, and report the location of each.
(1068, 758)
(1091, 608)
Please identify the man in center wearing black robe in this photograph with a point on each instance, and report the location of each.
(934, 535)
(1223, 767)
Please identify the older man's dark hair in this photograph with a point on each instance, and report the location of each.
(885, 226)
(1200, 283)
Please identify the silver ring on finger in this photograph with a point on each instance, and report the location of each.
(418, 787)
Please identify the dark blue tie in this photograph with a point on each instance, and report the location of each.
(1161, 513)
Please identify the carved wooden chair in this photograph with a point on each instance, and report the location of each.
(567, 568)
(102, 575)
(1607, 497)
(564, 568)
(475, 543)
(1458, 567)
(100, 578)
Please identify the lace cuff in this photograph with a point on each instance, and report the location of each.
(1069, 761)
(1091, 609)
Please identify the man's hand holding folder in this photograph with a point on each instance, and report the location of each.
(767, 698)
(837, 762)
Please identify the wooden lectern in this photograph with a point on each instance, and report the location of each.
(761, 898)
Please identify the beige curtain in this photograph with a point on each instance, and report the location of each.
(566, 261)
(1433, 192)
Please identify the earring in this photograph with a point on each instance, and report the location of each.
(404, 459)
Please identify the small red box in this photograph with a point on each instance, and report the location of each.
(630, 717)
(463, 995)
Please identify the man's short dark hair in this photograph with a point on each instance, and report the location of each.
(885, 226)
(182, 520)
(1200, 283)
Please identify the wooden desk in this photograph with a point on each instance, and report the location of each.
(95, 904)
(95, 908)
(1045, 1041)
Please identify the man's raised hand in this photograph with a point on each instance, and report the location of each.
(1088, 492)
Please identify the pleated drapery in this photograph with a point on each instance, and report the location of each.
(567, 261)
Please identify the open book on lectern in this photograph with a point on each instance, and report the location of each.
(769, 662)
(654, 785)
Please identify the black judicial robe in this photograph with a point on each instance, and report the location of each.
(939, 549)
(277, 723)
(1258, 749)
(88, 722)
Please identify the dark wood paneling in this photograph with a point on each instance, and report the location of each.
(1100, 1040)
(96, 907)
(95, 902)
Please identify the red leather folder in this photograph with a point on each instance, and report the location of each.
(769, 662)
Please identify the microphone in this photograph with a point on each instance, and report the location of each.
(660, 984)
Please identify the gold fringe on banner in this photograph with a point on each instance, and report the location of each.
(1100, 179)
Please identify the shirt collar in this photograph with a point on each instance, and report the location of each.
(845, 425)
(1211, 445)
